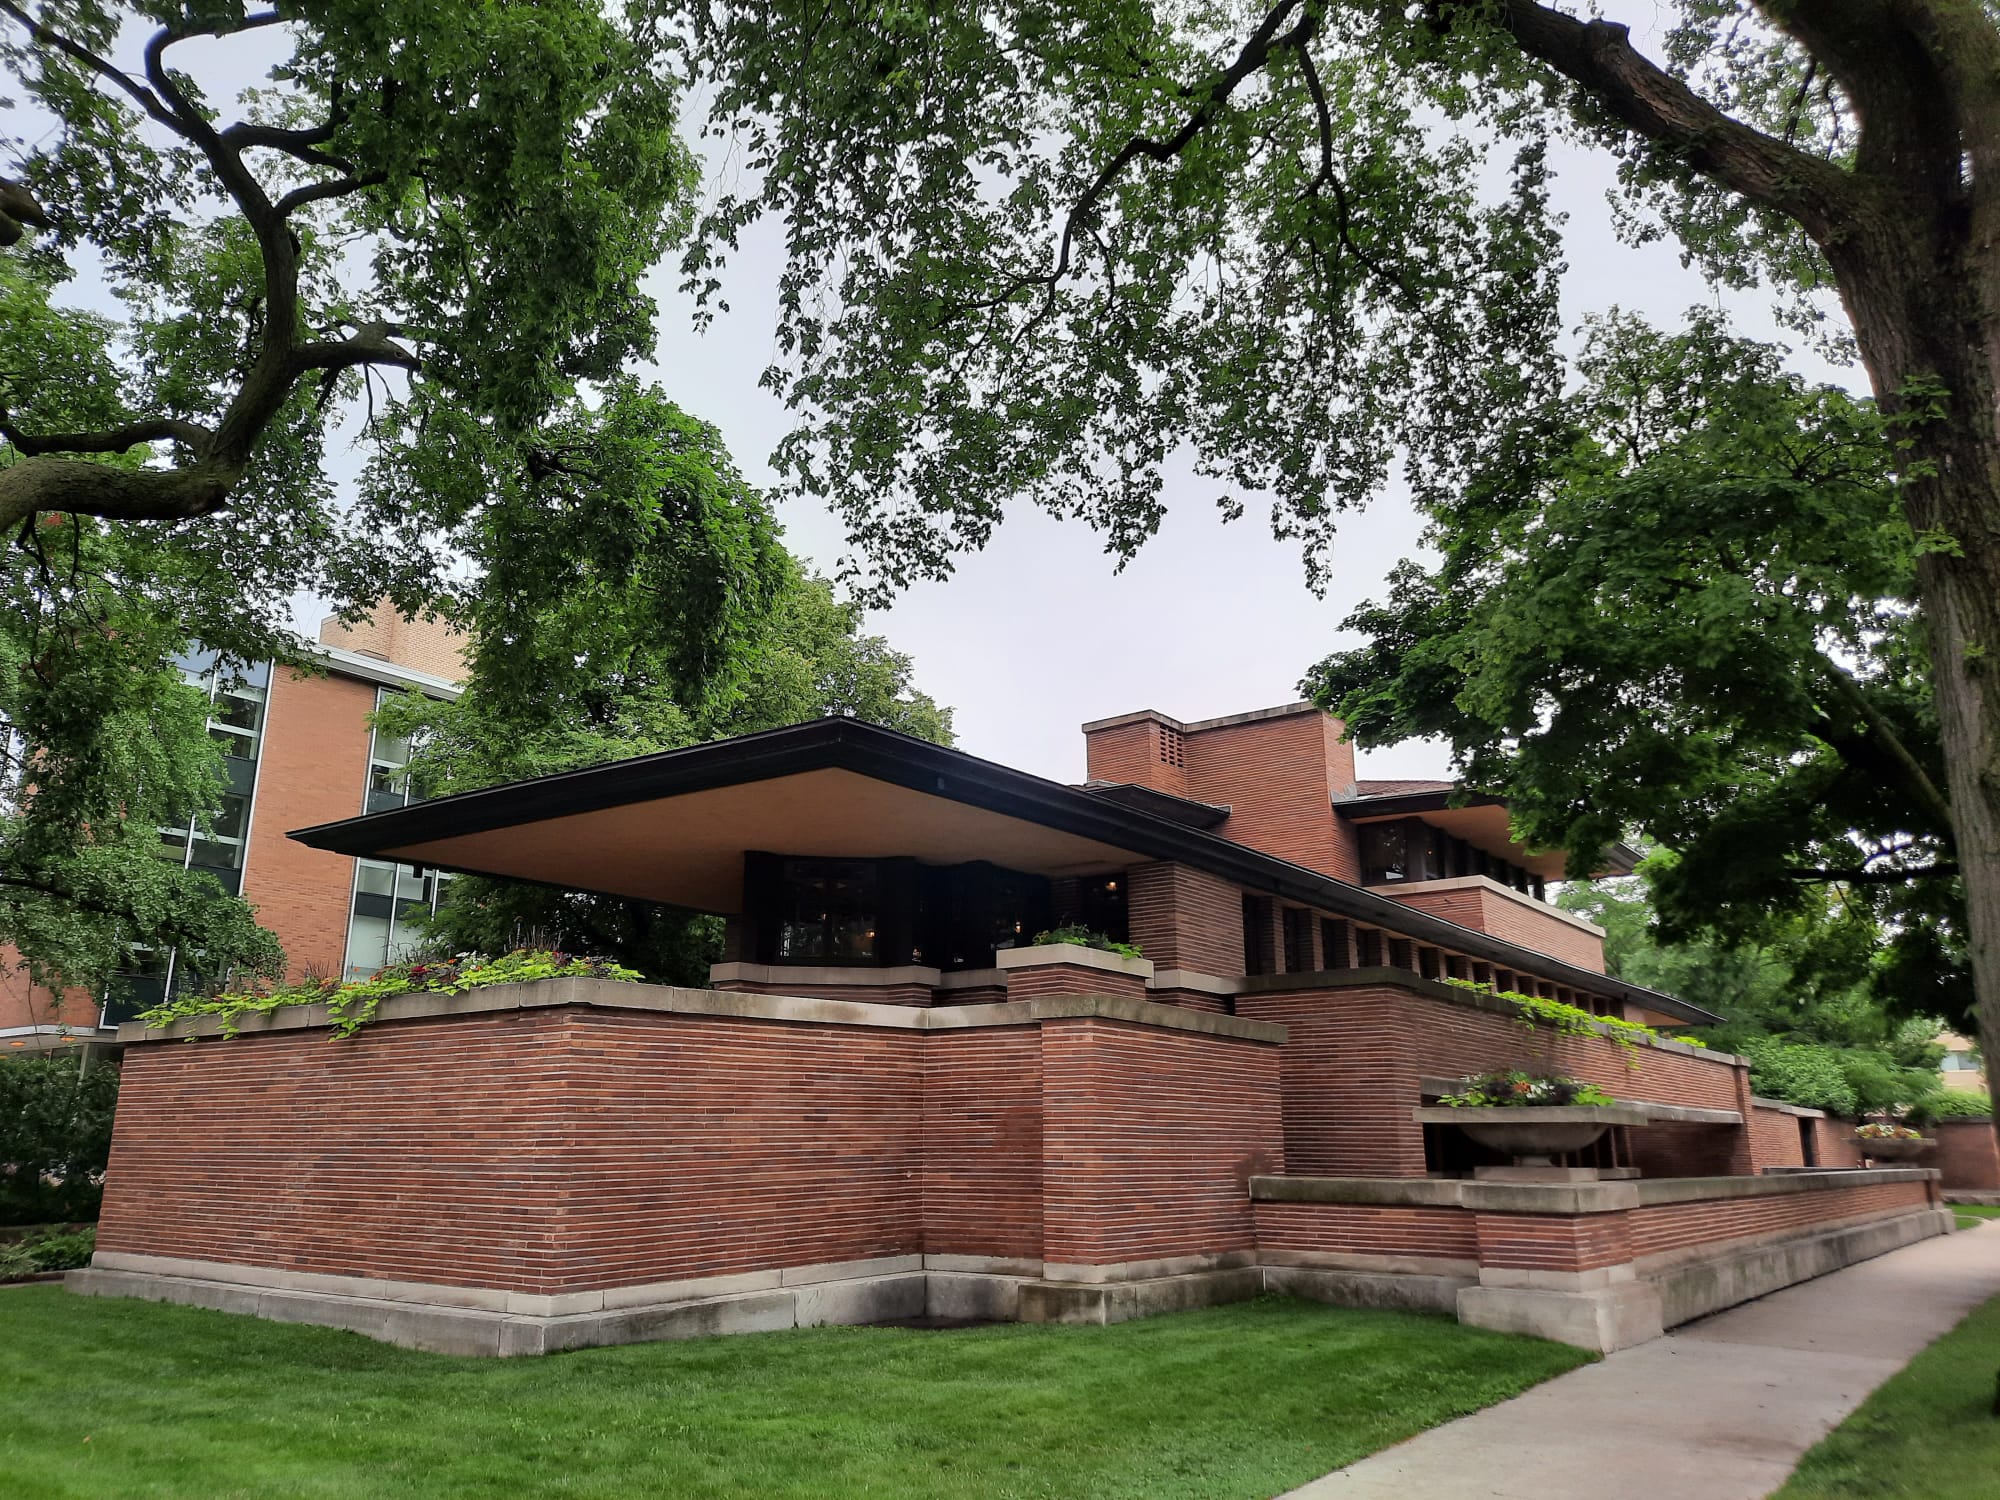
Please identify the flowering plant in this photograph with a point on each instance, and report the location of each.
(1878, 1132)
(1518, 1088)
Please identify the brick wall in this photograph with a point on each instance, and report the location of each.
(1277, 777)
(982, 1148)
(1834, 1142)
(1673, 1226)
(1966, 1154)
(1553, 1242)
(871, 994)
(1355, 1057)
(422, 645)
(418, 1152)
(1032, 983)
(1149, 1139)
(1485, 909)
(703, 1145)
(313, 768)
(1367, 1229)
(1775, 1140)
(1132, 752)
(25, 1004)
(1185, 919)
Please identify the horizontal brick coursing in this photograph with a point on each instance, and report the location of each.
(1149, 1139)
(1775, 1140)
(1278, 777)
(1183, 918)
(859, 992)
(1073, 979)
(1367, 1229)
(1966, 1154)
(1486, 910)
(1553, 1242)
(1674, 1226)
(1834, 1143)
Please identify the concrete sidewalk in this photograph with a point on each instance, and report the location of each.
(1720, 1409)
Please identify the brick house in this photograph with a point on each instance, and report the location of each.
(297, 748)
(890, 1101)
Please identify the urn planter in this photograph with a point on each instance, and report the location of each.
(1534, 1134)
(1894, 1148)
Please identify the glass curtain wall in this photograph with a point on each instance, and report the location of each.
(388, 898)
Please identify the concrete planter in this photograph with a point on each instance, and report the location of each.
(1894, 1148)
(1534, 1134)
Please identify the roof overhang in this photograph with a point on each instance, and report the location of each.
(673, 828)
(1483, 823)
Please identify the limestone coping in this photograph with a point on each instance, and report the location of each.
(853, 976)
(1565, 1197)
(1396, 890)
(1787, 1109)
(610, 994)
(1075, 955)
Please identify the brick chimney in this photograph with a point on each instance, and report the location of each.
(1278, 770)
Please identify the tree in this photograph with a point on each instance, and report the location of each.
(806, 659)
(1688, 610)
(1802, 1005)
(1035, 248)
(430, 227)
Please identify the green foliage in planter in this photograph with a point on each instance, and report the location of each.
(1877, 1131)
(1082, 937)
(1517, 1088)
(353, 1005)
(55, 1135)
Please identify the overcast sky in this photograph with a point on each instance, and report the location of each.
(1037, 633)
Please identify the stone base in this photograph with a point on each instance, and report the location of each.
(1977, 1196)
(1399, 1290)
(1121, 1301)
(1603, 1318)
(1725, 1279)
(1554, 1174)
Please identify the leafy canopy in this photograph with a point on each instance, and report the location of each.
(1687, 609)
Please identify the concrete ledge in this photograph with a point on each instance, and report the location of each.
(1658, 1190)
(1377, 1265)
(1122, 1301)
(1725, 1279)
(611, 994)
(1409, 1293)
(1787, 1109)
(1396, 1192)
(1605, 1319)
(858, 975)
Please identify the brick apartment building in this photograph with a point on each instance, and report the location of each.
(893, 1100)
(298, 749)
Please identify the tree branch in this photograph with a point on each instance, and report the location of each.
(1916, 779)
(1873, 875)
(372, 344)
(78, 53)
(1598, 56)
(319, 192)
(191, 435)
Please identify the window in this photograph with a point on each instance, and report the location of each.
(388, 765)
(1333, 953)
(1256, 935)
(1368, 947)
(1959, 1062)
(382, 926)
(1427, 962)
(1100, 901)
(1399, 954)
(1385, 853)
(1298, 940)
(828, 910)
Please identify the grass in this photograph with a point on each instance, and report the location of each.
(1972, 1215)
(137, 1399)
(1929, 1433)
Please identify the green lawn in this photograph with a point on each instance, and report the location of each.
(1929, 1433)
(131, 1399)
(1970, 1214)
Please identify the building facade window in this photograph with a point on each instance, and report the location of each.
(383, 924)
(1256, 935)
(1298, 926)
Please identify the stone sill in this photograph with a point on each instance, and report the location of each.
(1787, 1109)
(611, 994)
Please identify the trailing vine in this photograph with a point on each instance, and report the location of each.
(1538, 1012)
(352, 1004)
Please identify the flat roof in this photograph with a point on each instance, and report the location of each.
(672, 828)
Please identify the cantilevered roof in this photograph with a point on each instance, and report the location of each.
(673, 827)
(1480, 821)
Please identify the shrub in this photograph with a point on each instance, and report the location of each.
(1955, 1104)
(1519, 1089)
(55, 1136)
(352, 1005)
(1802, 1074)
(52, 1250)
